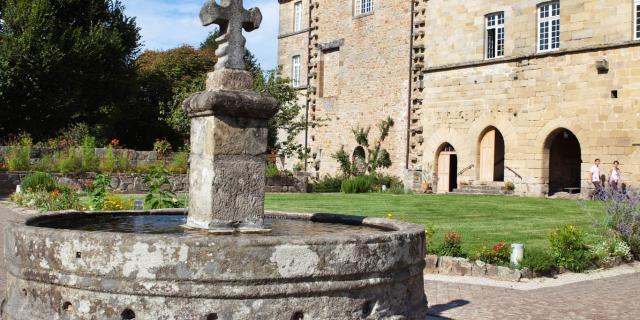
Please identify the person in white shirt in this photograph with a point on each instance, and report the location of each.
(594, 176)
(614, 177)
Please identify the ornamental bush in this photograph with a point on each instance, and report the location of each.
(623, 217)
(328, 184)
(569, 248)
(358, 184)
(498, 255)
(38, 181)
(452, 245)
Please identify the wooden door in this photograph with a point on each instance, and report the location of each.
(487, 155)
(444, 168)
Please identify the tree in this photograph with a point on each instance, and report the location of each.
(63, 62)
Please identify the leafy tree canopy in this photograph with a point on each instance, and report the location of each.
(62, 62)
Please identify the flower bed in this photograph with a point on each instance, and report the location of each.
(452, 266)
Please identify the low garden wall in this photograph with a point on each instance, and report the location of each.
(134, 182)
(452, 266)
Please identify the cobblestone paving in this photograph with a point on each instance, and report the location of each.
(610, 298)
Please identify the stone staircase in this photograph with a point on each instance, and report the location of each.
(481, 188)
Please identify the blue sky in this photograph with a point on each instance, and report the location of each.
(166, 24)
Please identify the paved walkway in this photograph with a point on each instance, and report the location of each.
(610, 298)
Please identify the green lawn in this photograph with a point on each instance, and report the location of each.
(481, 220)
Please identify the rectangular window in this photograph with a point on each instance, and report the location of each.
(495, 35)
(295, 71)
(297, 16)
(637, 19)
(363, 7)
(549, 26)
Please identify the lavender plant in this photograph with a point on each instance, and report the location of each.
(623, 216)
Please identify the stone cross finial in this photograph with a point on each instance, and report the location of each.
(231, 16)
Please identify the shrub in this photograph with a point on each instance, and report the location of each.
(272, 170)
(538, 261)
(115, 202)
(68, 161)
(328, 184)
(46, 163)
(498, 255)
(108, 164)
(122, 162)
(623, 217)
(159, 198)
(19, 153)
(56, 200)
(179, 163)
(509, 186)
(359, 184)
(569, 248)
(452, 245)
(161, 146)
(38, 181)
(88, 151)
(99, 190)
(611, 247)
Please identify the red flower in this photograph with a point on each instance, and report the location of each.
(115, 142)
(498, 246)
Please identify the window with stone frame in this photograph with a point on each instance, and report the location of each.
(363, 7)
(495, 35)
(636, 10)
(295, 71)
(297, 16)
(549, 26)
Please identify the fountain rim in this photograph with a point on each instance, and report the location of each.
(394, 228)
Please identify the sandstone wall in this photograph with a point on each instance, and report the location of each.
(529, 96)
(358, 74)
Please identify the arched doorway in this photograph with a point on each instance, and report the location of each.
(491, 155)
(359, 161)
(446, 168)
(565, 160)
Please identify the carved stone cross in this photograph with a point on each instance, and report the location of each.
(231, 16)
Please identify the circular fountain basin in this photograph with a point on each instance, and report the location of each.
(143, 265)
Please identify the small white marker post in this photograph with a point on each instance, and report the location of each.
(517, 253)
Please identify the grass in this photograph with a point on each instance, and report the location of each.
(481, 220)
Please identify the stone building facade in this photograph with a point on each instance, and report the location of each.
(521, 91)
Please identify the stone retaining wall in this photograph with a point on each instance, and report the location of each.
(133, 182)
(135, 157)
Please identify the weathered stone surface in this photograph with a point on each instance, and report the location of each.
(70, 274)
(230, 103)
(478, 269)
(454, 266)
(431, 263)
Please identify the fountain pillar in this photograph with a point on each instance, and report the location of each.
(228, 132)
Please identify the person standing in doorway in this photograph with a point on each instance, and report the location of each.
(614, 177)
(594, 177)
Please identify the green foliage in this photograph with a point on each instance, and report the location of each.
(68, 161)
(56, 200)
(158, 197)
(46, 163)
(116, 202)
(19, 153)
(328, 184)
(569, 247)
(358, 184)
(538, 261)
(88, 154)
(122, 162)
(108, 164)
(611, 247)
(498, 255)
(179, 163)
(99, 190)
(38, 181)
(429, 231)
(63, 61)
(162, 146)
(374, 159)
(272, 170)
(451, 246)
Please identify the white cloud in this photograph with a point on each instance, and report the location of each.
(166, 24)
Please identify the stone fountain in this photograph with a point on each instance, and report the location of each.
(224, 258)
